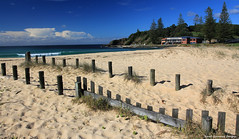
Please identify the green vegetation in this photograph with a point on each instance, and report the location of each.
(210, 30)
(135, 133)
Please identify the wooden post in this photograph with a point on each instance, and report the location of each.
(64, 62)
(162, 111)
(209, 87)
(110, 69)
(128, 101)
(14, 71)
(204, 114)
(28, 57)
(27, 75)
(207, 124)
(44, 60)
(177, 82)
(78, 79)
(41, 79)
(53, 61)
(60, 85)
(78, 89)
(189, 115)
(175, 113)
(138, 104)
(77, 63)
(221, 121)
(130, 71)
(150, 108)
(118, 97)
(3, 69)
(36, 59)
(84, 84)
(92, 87)
(93, 65)
(100, 90)
(237, 125)
(108, 94)
(152, 77)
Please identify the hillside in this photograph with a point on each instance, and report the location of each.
(145, 37)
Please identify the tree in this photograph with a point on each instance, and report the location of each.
(196, 19)
(209, 26)
(153, 32)
(160, 23)
(224, 28)
(182, 29)
(160, 30)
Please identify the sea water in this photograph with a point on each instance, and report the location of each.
(54, 50)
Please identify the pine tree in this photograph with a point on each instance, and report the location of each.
(182, 29)
(153, 32)
(209, 26)
(224, 28)
(196, 19)
(160, 31)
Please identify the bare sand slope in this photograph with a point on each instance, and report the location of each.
(196, 66)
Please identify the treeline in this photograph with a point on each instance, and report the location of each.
(222, 31)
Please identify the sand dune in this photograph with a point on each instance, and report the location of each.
(29, 111)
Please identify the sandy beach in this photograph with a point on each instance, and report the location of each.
(27, 111)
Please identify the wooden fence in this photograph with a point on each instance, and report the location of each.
(81, 89)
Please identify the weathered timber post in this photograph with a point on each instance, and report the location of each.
(77, 63)
(177, 82)
(93, 65)
(237, 126)
(100, 90)
(28, 57)
(60, 85)
(110, 69)
(207, 124)
(108, 94)
(41, 79)
(78, 89)
(44, 60)
(64, 62)
(209, 88)
(162, 111)
(189, 115)
(78, 79)
(150, 108)
(84, 84)
(36, 59)
(53, 61)
(92, 87)
(128, 101)
(204, 114)
(152, 77)
(14, 71)
(221, 121)
(175, 113)
(138, 104)
(130, 71)
(118, 97)
(3, 69)
(27, 75)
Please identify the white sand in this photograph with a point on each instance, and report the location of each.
(42, 113)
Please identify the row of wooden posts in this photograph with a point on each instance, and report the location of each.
(209, 88)
(206, 120)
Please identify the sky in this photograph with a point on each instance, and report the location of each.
(55, 22)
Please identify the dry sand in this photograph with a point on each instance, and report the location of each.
(27, 111)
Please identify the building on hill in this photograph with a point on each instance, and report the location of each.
(181, 40)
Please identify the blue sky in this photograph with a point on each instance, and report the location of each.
(40, 22)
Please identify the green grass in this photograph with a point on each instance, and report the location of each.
(135, 78)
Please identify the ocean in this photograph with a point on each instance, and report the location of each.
(55, 50)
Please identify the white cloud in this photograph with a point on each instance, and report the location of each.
(233, 11)
(73, 35)
(41, 32)
(217, 15)
(237, 6)
(190, 13)
(42, 36)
